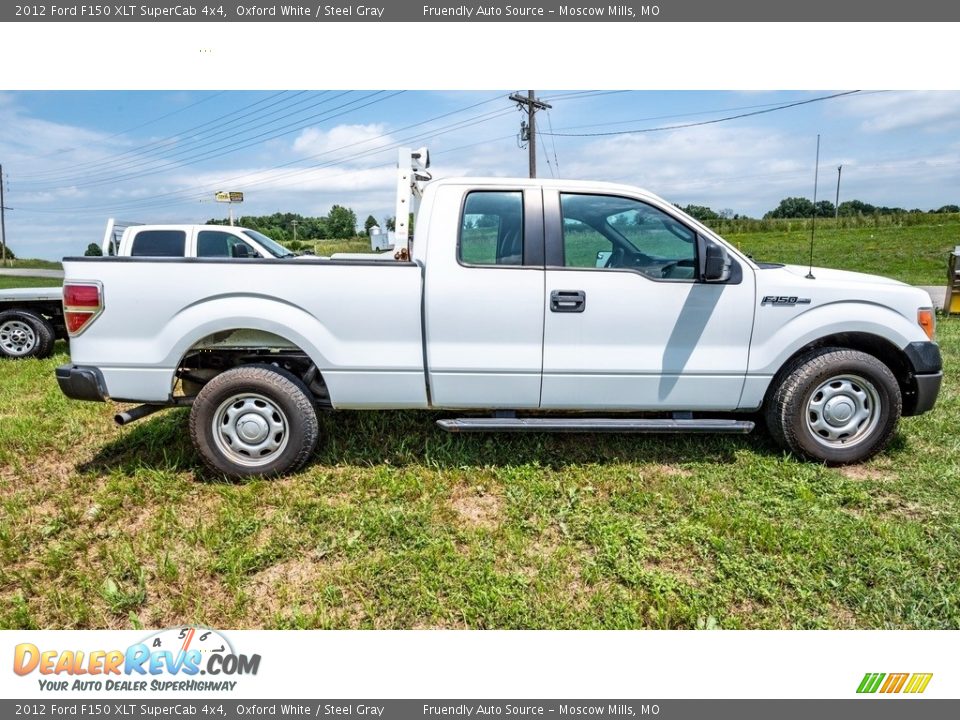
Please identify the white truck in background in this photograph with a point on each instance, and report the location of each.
(553, 305)
(32, 320)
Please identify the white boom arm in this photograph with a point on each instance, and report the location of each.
(411, 171)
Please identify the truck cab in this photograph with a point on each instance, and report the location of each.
(187, 241)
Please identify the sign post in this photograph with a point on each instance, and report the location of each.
(231, 198)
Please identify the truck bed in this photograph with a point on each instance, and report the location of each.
(365, 314)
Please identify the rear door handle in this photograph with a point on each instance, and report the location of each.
(571, 301)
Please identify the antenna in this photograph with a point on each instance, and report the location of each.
(813, 220)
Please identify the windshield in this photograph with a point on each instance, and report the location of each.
(274, 248)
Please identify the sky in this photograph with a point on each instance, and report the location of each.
(73, 159)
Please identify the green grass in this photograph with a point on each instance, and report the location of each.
(395, 524)
(34, 264)
(913, 253)
(328, 247)
(15, 281)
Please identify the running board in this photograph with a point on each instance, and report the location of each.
(594, 425)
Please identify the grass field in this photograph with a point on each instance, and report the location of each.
(397, 525)
(916, 254)
(34, 264)
(14, 281)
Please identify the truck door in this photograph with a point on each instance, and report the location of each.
(483, 297)
(628, 325)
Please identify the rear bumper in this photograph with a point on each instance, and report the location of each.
(78, 382)
(927, 365)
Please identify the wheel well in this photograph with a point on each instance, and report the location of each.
(880, 348)
(225, 350)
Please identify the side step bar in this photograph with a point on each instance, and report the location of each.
(594, 425)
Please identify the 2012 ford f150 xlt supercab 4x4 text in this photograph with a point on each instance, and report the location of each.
(561, 305)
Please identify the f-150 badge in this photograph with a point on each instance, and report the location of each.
(784, 300)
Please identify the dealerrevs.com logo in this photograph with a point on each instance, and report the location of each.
(171, 660)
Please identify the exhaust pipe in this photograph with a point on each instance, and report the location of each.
(134, 414)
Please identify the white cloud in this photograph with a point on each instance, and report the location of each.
(883, 112)
(357, 138)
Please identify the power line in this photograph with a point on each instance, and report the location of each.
(553, 142)
(242, 144)
(708, 122)
(161, 141)
(141, 158)
(184, 195)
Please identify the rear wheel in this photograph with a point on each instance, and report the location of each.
(254, 420)
(835, 406)
(25, 334)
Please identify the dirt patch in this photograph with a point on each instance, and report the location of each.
(671, 471)
(842, 618)
(291, 583)
(863, 472)
(682, 570)
(479, 511)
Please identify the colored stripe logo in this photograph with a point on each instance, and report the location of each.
(913, 683)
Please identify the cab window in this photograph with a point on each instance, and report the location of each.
(491, 229)
(159, 243)
(609, 232)
(216, 243)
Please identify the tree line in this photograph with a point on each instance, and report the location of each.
(799, 207)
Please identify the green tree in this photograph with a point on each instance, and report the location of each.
(850, 208)
(792, 207)
(369, 223)
(93, 250)
(825, 208)
(341, 223)
(701, 212)
(391, 224)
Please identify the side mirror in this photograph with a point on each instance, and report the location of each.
(241, 251)
(714, 263)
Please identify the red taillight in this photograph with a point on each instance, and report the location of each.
(82, 302)
(81, 296)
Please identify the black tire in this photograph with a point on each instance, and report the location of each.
(244, 404)
(834, 406)
(25, 334)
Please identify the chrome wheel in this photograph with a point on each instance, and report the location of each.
(250, 429)
(843, 411)
(17, 338)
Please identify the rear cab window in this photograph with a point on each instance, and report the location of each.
(491, 228)
(159, 243)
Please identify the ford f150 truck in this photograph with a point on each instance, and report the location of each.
(554, 305)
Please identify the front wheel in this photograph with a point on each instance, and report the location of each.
(835, 406)
(254, 420)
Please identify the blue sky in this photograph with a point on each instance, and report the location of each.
(73, 159)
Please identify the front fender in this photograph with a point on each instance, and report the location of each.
(776, 338)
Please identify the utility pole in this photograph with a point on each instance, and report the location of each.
(836, 205)
(3, 223)
(294, 223)
(529, 129)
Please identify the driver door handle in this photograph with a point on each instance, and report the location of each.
(570, 301)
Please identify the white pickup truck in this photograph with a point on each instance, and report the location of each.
(31, 319)
(554, 305)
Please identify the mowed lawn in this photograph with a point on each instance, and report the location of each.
(396, 524)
